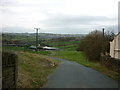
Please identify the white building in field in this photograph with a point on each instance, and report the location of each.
(115, 47)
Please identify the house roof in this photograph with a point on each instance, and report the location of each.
(115, 36)
(49, 47)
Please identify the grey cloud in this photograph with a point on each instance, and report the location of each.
(66, 30)
(8, 2)
(8, 12)
(15, 3)
(62, 20)
(16, 29)
(76, 24)
(56, 22)
(61, 30)
(113, 28)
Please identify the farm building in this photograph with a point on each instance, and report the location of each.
(49, 48)
(115, 47)
(43, 48)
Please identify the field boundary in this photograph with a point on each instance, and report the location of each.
(111, 63)
(9, 69)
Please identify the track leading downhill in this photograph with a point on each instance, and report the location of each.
(73, 75)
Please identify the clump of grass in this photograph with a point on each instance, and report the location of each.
(33, 70)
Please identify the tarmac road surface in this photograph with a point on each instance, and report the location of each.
(73, 75)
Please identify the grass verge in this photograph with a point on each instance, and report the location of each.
(33, 70)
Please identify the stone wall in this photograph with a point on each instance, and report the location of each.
(9, 70)
(111, 63)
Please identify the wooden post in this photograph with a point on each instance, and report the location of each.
(103, 43)
(16, 70)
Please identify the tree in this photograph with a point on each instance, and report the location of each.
(91, 44)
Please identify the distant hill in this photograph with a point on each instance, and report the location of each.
(30, 38)
(42, 35)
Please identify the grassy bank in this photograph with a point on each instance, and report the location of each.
(33, 67)
(80, 58)
(34, 70)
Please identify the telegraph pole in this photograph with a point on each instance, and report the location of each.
(103, 42)
(36, 37)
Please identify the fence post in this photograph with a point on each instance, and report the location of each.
(16, 69)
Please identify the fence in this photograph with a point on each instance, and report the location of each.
(111, 63)
(9, 70)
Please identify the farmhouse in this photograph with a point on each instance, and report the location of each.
(115, 47)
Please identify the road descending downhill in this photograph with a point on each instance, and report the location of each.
(70, 74)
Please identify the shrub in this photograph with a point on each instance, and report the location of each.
(92, 44)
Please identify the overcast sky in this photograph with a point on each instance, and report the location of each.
(58, 16)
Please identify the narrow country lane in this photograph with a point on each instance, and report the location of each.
(73, 75)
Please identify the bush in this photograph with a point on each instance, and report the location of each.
(92, 44)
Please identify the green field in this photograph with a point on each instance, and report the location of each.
(17, 49)
(68, 52)
(11, 48)
(68, 47)
(78, 57)
(41, 52)
(56, 43)
(64, 45)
